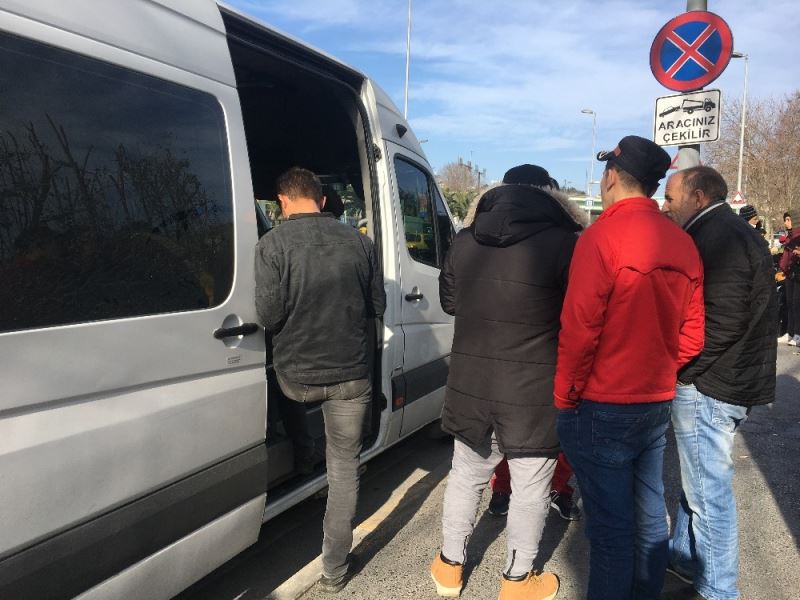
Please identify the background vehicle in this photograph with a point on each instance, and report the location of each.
(142, 443)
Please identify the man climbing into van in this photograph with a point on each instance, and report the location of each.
(318, 284)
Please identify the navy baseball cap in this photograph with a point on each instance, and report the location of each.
(646, 161)
(528, 175)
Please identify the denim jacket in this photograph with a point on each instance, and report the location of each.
(318, 283)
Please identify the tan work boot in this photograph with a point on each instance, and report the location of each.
(535, 586)
(447, 577)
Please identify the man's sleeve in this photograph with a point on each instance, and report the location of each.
(447, 283)
(785, 263)
(591, 279)
(727, 283)
(692, 334)
(377, 298)
(269, 303)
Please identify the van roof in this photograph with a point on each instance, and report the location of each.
(292, 43)
(188, 34)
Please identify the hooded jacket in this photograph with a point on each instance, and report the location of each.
(504, 280)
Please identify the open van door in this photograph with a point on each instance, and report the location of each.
(427, 232)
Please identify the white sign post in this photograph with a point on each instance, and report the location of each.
(687, 118)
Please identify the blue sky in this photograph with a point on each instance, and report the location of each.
(504, 82)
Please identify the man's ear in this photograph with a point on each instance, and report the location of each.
(700, 199)
(611, 178)
(282, 200)
(322, 202)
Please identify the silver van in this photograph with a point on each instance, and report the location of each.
(142, 438)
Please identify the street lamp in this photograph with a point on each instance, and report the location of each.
(588, 111)
(408, 62)
(744, 113)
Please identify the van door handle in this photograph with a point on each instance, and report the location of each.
(243, 329)
(415, 295)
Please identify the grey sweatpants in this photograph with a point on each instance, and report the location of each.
(530, 501)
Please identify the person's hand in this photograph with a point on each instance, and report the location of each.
(796, 251)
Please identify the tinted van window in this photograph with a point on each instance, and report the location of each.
(115, 196)
(415, 200)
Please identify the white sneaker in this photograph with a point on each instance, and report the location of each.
(783, 339)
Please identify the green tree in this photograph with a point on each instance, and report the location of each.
(459, 201)
(459, 183)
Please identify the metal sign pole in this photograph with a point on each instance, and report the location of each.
(689, 155)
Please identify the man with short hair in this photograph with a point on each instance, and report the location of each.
(318, 284)
(633, 315)
(715, 392)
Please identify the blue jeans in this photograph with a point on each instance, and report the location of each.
(705, 543)
(345, 406)
(617, 452)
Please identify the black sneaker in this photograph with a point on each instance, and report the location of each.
(334, 585)
(498, 505)
(565, 507)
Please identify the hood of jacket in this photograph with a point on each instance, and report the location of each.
(509, 214)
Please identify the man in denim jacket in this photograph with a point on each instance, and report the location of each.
(318, 284)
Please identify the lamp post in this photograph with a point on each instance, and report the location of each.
(744, 114)
(408, 62)
(588, 111)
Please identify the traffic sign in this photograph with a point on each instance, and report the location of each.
(691, 51)
(687, 118)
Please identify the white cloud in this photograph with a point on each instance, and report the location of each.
(513, 75)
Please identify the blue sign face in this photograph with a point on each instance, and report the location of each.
(691, 51)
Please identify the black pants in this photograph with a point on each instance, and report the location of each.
(792, 286)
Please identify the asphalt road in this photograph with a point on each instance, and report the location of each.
(400, 515)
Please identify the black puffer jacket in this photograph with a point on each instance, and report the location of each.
(504, 280)
(737, 364)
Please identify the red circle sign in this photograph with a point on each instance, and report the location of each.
(691, 51)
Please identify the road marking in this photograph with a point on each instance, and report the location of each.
(369, 524)
(305, 578)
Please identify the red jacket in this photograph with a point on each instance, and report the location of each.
(633, 313)
(789, 261)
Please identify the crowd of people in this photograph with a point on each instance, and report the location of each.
(575, 347)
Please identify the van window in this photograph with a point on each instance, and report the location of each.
(115, 195)
(445, 231)
(414, 187)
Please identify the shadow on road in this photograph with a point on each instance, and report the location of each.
(772, 436)
(290, 542)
